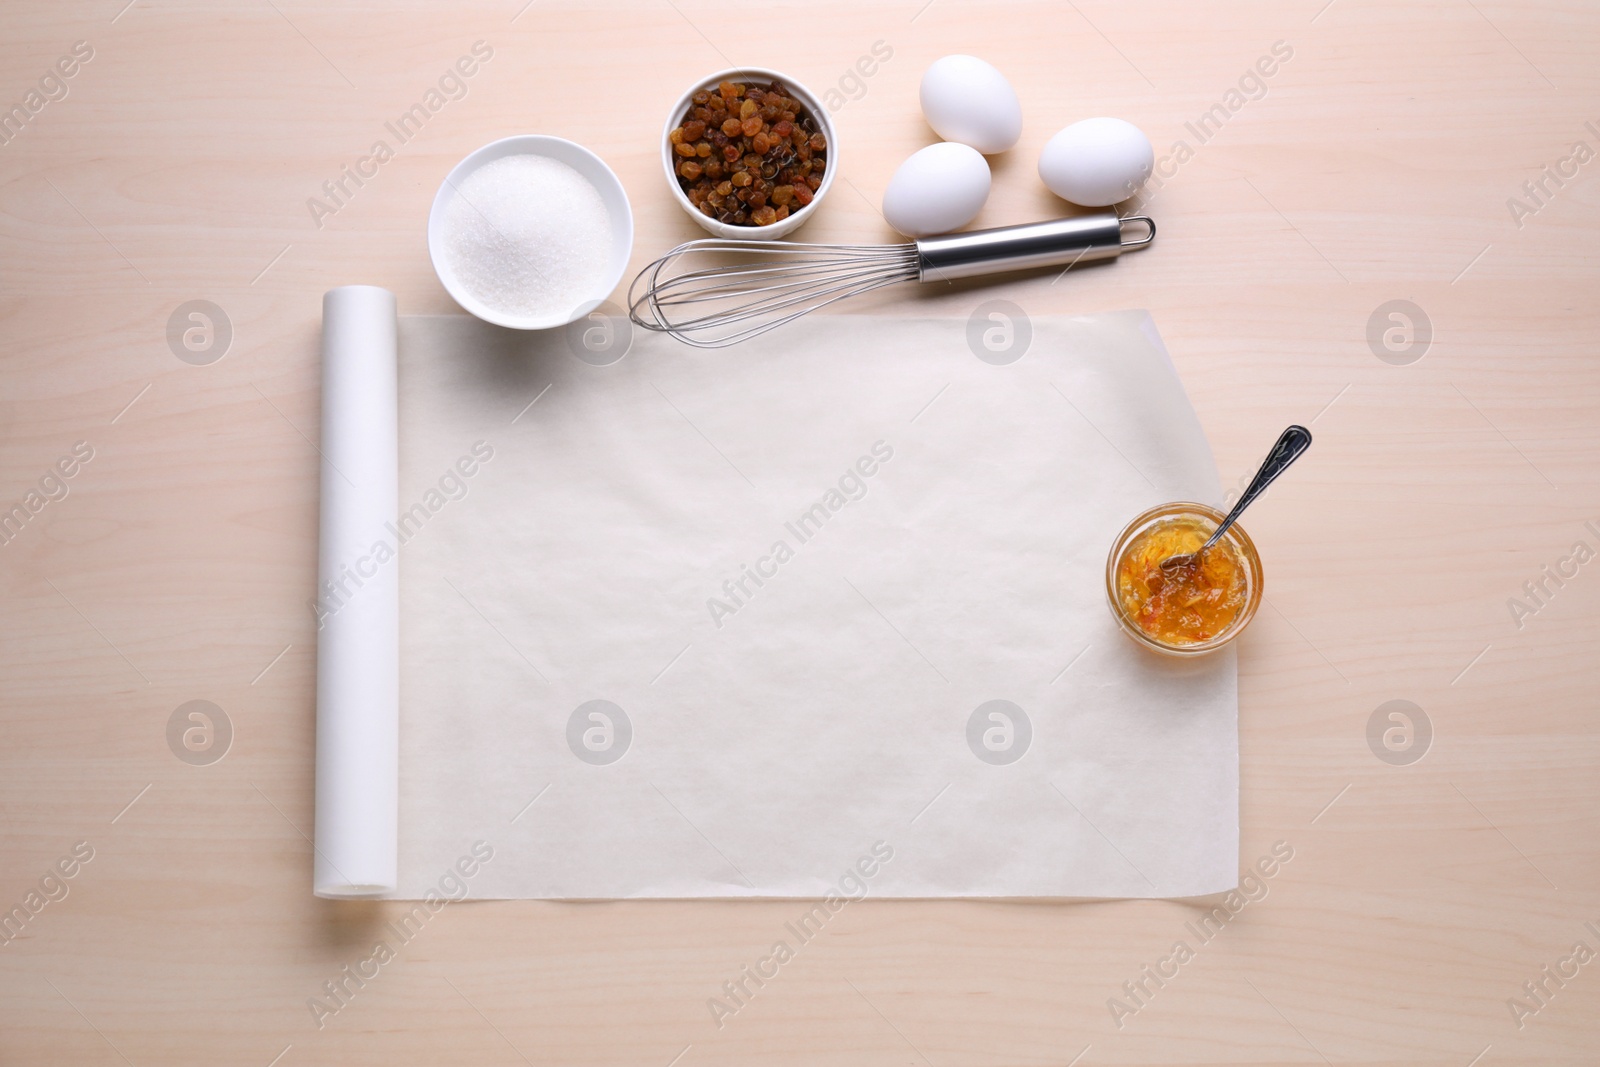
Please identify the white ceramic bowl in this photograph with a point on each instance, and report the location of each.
(580, 159)
(745, 75)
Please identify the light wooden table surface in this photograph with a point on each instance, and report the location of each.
(1374, 165)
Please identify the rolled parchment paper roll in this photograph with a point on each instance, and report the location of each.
(358, 599)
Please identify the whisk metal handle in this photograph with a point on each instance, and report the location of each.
(1056, 243)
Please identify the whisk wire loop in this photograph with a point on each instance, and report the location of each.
(696, 294)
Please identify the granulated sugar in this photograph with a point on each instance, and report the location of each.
(528, 236)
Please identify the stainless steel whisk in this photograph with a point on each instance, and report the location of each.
(721, 304)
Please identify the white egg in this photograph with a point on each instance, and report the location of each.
(967, 101)
(1097, 162)
(939, 189)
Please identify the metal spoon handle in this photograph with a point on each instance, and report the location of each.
(1291, 445)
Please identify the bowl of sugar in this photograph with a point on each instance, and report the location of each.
(530, 232)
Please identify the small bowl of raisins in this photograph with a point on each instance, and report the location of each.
(749, 153)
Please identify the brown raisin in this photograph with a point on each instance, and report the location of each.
(764, 216)
(693, 131)
(689, 169)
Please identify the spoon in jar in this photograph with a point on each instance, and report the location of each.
(1291, 445)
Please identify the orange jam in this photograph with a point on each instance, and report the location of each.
(1190, 604)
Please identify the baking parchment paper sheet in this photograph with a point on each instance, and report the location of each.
(716, 623)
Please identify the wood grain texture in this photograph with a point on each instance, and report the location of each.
(1376, 166)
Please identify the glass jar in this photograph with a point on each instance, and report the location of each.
(1185, 526)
